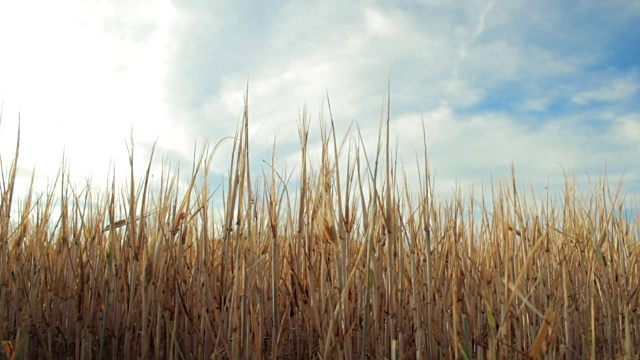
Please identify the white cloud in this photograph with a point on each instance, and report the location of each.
(380, 23)
(617, 89)
(84, 74)
(626, 128)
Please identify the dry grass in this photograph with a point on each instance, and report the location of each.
(353, 266)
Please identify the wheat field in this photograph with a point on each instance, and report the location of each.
(348, 264)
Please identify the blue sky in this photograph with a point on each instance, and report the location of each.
(549, 86)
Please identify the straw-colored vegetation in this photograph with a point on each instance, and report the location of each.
(349, 264)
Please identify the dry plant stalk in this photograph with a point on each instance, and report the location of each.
(346, 264)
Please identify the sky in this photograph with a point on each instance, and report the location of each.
(552, 87)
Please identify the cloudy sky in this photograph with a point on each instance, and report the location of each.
(548, 85)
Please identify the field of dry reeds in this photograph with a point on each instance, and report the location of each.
(349, 264)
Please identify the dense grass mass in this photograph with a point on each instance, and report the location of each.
(350, 264)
